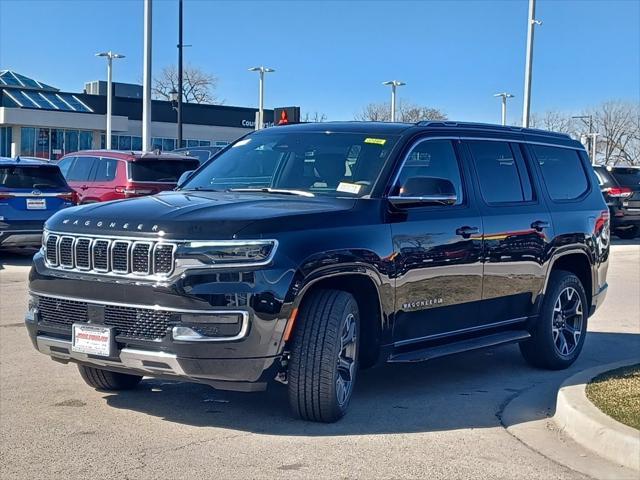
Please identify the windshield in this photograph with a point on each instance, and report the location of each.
(32, 177)
(160, 170)
(327, 163)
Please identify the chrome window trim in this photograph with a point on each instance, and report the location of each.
(89, 253)
(93, 255)
(149, 257)
(472, 138)
(126, 256)
(59, 252)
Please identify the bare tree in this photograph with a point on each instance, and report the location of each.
(618, 126)
(197, 85)
(407, 112)
(554, 121)
(314, 117)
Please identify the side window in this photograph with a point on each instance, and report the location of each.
(81, 170)
(65, 165)
(562, 171)
(502, 178)
(433, 159)
(105, 169)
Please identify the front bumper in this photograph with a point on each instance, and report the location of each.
(20, 238)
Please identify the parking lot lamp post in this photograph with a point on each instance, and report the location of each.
(261, 70)
(110, 56)
(531, 23)
(591, 136)
(504, 96)
(394, 84)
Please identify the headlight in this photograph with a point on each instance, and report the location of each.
(227, 252)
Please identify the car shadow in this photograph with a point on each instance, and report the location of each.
(16, 257)
(463, 391)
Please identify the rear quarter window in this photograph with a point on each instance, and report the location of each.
(32, 177)
(167, 171)
(562, 171)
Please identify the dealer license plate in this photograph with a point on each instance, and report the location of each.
(92, 340)
(36, 204)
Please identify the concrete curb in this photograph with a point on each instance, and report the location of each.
(587, 425)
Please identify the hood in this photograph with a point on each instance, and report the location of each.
(196, 215)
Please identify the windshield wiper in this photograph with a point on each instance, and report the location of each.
(200, 189)
(281, 191)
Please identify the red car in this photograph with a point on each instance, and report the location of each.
(102, 175)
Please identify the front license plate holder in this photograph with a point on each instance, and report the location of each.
(97, 340)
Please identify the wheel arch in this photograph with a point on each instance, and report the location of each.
(578, 262)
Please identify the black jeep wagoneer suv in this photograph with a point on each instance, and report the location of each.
(302, 253)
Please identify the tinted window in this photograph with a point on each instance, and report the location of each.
(106, 169)
(30, 177)
(627, 177)
(562, 171)
(434, 159)
(498, 173)
(160, 170)
(81, 169)
(65, 164)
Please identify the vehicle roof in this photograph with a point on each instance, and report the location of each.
(450, 127)
(131, 155)
(17, 161)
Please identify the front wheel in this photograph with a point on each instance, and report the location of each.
(107, 380)
(324, 356)
(558, 336)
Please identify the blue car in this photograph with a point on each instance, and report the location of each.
(30, 192)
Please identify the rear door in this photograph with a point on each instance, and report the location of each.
(80, 174)
(517, 230)
(103, 184)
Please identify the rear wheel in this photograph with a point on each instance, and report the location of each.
(324, 356)
(559, 334)
(106, 380)
(628, 233)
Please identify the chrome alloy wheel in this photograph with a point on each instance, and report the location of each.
(567, 321)
(346, 360)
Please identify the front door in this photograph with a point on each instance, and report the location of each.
(437, 250)
(517, 230)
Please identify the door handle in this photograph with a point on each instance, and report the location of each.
(466, 232)
(539, 225)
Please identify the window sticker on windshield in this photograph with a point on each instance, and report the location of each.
(376, 141)
(348, 188)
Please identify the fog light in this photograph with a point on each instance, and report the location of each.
(214, 326)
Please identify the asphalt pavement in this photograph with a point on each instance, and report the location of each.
(439, 419)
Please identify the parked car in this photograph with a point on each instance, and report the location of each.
(30, 192)
(203, 154)
(620, 187)
(361, 243)
(101, 175)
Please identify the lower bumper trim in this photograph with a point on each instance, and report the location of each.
(152, 363)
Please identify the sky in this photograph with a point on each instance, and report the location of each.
(332, 56)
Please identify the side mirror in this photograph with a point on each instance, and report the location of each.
(184, 177)
(418, 191)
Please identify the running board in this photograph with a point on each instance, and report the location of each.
(460, 346)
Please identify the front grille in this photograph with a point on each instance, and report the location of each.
(83, 252)
(130, 322)
(65, 249)
(110, 256)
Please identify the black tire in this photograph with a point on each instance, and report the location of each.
(106, 380)
(318, 386)
(627, 233)
(545, 348)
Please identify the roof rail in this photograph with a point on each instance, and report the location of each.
(489, 126)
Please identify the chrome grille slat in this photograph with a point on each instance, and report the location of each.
(110, 256)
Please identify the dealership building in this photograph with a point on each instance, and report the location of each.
(39, 120)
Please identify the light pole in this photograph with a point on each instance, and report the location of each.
(262, 70)
(591, 135)
(110, 56)
(504, 96)
(179, 93)
(394, 84)
(531, 23)
(146, 76)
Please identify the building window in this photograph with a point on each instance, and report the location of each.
(71, 141)
(136, 143)
(124, 142)
(5, 141)
(28, 141)
(86, 140)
